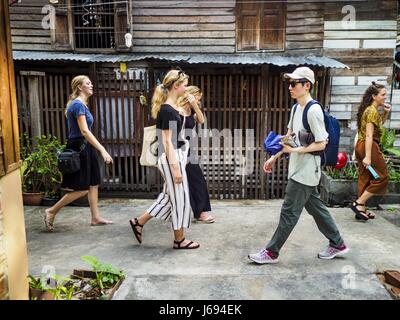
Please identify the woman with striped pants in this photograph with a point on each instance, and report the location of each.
(174, 202)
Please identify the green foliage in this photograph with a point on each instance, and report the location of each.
(36, 283)
(394, 151)
(39, 170)
(62, 288)
(349, 172)
(106, 274)
(387, 141)
(394, 175)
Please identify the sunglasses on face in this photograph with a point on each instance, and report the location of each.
(294, 82)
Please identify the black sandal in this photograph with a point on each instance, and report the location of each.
(138, 235)
(370, 216)
(188, 246)
(360, 215)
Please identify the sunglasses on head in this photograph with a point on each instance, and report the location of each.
(294, 82)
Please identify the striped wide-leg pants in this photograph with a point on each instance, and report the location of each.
(174, 201)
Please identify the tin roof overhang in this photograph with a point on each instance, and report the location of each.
(235, 58)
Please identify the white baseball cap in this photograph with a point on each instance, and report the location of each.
(301, 73)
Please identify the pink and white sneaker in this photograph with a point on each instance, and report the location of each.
(332, 252)
(262, 257)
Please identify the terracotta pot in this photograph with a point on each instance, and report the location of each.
(35, 294)
(32, 199)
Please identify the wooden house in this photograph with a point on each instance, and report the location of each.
(236, 51)
(13, 249)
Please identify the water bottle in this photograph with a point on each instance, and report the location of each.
(373, 172)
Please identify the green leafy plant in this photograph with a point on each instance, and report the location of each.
(39, 170)
(387, 142)
(36, 283)
(106, 274)
(59, 287)
(394, 175)
(64, 288)
(349, 172)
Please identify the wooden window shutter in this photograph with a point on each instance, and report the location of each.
(273, 25)
(248, 22)
(121, 27)
(62, 35)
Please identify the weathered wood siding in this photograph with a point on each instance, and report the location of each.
(172, 26)
(195, 26)
(305, 26)
(367, 47)
(184, 26)
(26, 26)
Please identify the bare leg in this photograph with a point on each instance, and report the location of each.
(93, 197)
(50, 213)
(144, 218)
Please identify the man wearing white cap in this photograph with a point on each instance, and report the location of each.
(304, 175)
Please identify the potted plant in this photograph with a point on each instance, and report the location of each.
(57, 288)
(99, 283)
(38, 288)
(338, 187)
(39, 171)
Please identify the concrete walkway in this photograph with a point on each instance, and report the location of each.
(220, 269)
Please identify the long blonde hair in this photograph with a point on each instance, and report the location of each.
(161, 91)
(193, 90)
(75, 84)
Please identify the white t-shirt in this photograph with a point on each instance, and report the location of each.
(304, 167)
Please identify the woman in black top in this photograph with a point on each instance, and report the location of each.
(199, 196)
(173, 202)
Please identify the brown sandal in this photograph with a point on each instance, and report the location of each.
(177, 245)
(138, 235)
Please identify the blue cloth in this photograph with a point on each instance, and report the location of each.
(271, 143)
(76, 109)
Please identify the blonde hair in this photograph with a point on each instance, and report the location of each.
(75, 84)
(193, 90)
(161, 91)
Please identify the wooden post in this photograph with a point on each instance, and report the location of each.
(34, 102)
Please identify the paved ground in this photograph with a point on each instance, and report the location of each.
(220, 268)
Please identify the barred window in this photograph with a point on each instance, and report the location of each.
(93, 22)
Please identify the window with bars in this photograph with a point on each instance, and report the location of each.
(94, 26)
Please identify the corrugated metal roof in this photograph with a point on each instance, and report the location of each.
(237, 58)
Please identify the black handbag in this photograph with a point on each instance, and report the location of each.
(69, 161)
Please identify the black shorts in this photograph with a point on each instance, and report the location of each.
(89, 175)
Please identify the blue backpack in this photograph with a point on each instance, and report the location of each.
(329, 156)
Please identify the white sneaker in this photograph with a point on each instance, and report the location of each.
(263, 257)
(331, 252)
